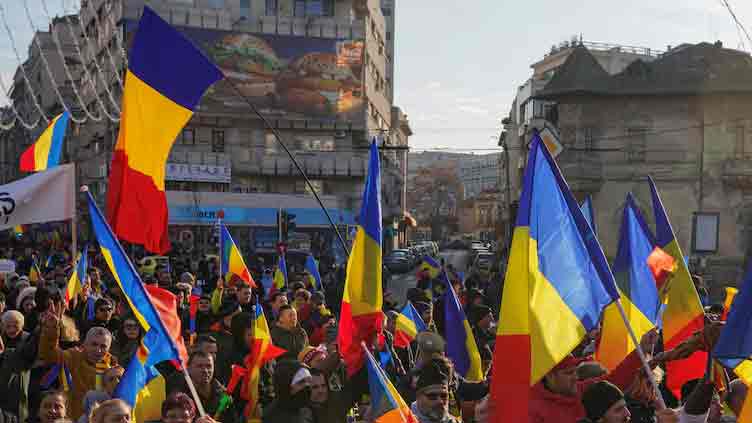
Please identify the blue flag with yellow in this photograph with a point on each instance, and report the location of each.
(589, 212)
(313, 268)
(430, 265)
(460, 342)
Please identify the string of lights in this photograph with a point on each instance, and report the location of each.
(25, 77)
(66, 68)
(87, 73)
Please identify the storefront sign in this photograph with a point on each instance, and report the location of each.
(198, 173)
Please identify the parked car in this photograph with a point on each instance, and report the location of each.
(398, 261)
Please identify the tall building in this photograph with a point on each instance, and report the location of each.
(316, 69)
(389, 10)
(479, 173)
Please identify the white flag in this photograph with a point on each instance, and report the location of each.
(42, 197)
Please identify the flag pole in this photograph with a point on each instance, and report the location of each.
(194, 393)
(643, 359)
(274, 131)
(220, 214)
(74, 220)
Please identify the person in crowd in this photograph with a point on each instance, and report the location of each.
(26, 305)
(276, 301)
(292, 387)
(95, 282)
(111, 411)
(433, 392)
(53, 407)
(2, 303)
(11, 330)
(302, 304)
(127, 341)
(482, 322)
(604, 403)
(244, 297)
(558, 397)
(287, 333)
(327, 405)
(83, 364)
(737, 393)
(180, 408)
(207, 344)
(110, 380)
(430, 346)
(222, 332)
(211, 392)
(104, 309)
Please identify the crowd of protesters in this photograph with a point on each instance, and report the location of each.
(63, 362)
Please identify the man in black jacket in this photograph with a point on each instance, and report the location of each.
(210, 391)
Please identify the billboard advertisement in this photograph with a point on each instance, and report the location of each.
(285, 76)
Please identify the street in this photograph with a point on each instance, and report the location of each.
(401, 282)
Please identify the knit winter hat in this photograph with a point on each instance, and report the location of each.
(432, 374)
(28, 292)
(599, 397)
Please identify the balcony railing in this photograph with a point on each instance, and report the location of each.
(737, 171)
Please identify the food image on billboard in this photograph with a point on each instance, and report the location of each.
(285, 76)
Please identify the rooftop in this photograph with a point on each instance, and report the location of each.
(690, 69)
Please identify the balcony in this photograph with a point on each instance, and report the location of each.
(582, 172)
(737, 172)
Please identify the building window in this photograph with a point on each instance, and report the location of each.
(327, 7)
(636, 144)
(271, 8)
(189, 136)
(740, 147)
(218, 141)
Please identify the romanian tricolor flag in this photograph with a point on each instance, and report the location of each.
(639, 293)
(683, 314)
(408, 325)
(78, 277)
(157, 340)
(233, 265)
(143, 388)
(461, 347)
(46, 151)
(165, 80)
(387, 405)
(35, 275)
(280, 274)
(312, 266)
(431, 266)
(361, 318)
(589, 212)
(262, 351)
(557, 284)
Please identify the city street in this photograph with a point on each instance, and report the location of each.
(400, 283)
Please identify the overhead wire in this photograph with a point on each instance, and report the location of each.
(66, 68)
(106, 47)
(739, 25)
(25, 77)
(87, 73)
(105, 83)
(46, 66)
(9, 126)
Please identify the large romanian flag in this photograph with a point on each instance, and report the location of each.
(166, 78)
(233, 264)
(46, 151)
(638, 288)
(361, 318)
(683, 314)
(557, 284)
(387, 405)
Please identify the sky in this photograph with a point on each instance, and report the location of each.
(459, 62)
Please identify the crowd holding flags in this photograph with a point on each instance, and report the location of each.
(78, 277)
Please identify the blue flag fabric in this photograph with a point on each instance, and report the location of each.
(589, 212)
(313, 268)
(460, 342)
(734, 347)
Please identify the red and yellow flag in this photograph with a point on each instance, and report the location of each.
(262, 351)
(361, 317)
(165, 79)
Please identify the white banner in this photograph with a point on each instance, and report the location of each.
(42, 197)
(198, 173)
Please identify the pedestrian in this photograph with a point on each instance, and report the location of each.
(53, 408)
(287, 333)
(111, 411)
(604, 403)
(127, 341)
(292, 387)
(180, 408)
(433, 392)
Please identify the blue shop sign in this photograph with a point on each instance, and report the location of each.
(207, 215)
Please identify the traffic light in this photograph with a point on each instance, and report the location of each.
(286, 223)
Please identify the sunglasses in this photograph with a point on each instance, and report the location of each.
(433, 396)
(105, 309)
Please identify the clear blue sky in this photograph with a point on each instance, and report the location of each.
(459, 62)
